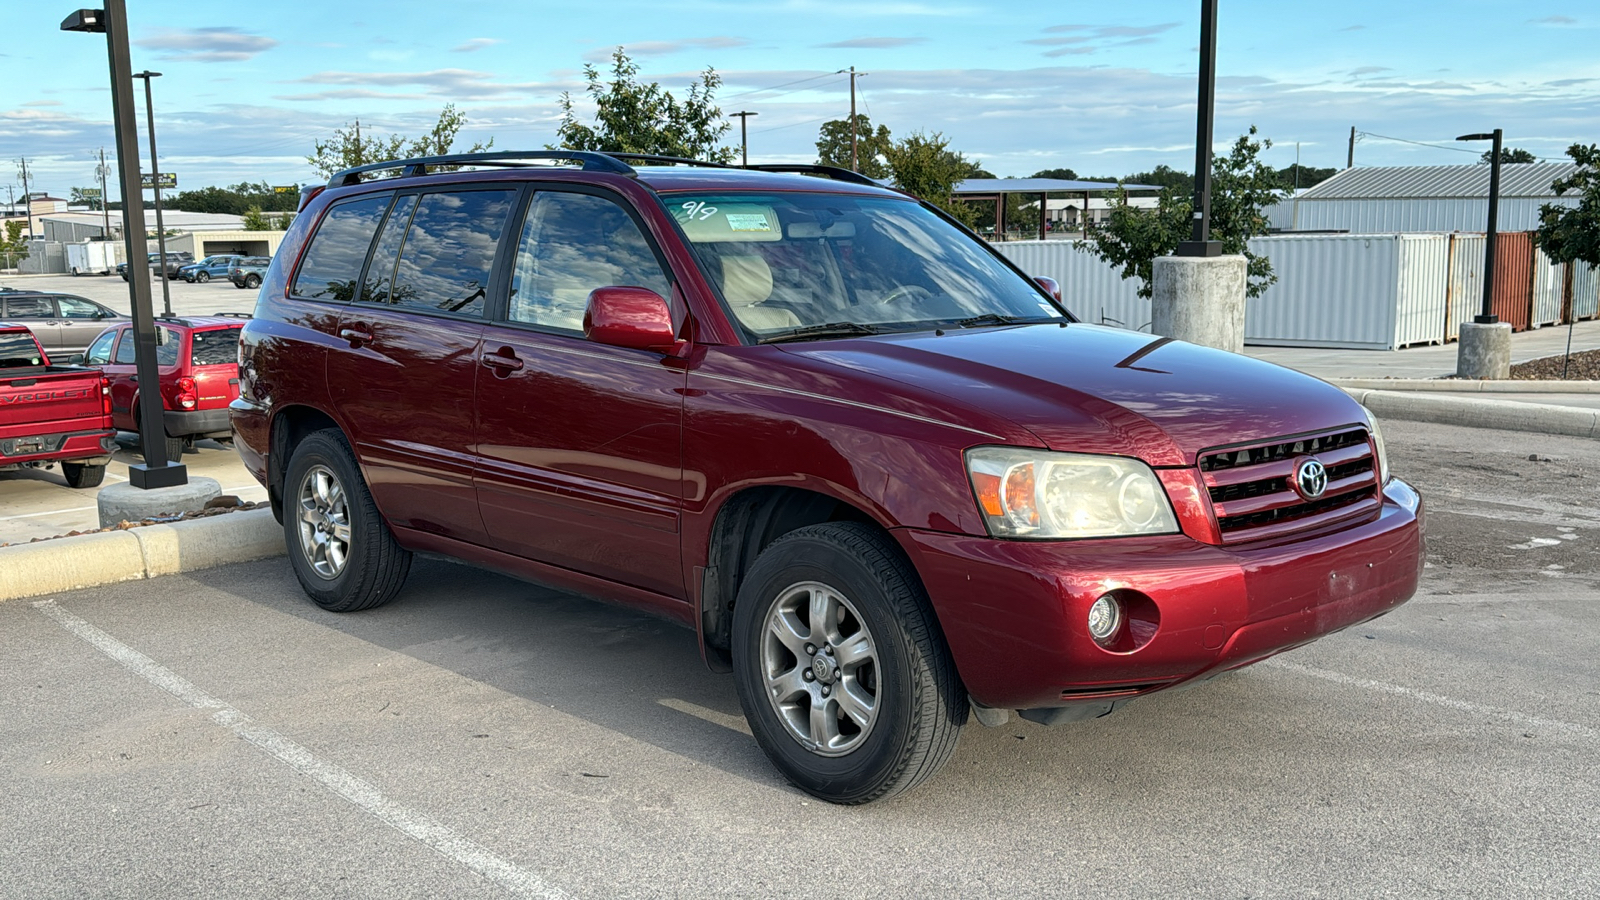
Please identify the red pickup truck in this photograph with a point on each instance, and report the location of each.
(52, 414)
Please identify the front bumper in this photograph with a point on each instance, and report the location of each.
(1014, 612)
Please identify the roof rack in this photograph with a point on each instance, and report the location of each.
(834, 172)
(234, 315)
(677, 160)
(592, 162)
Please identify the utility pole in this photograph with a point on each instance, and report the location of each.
(744, 141)
(105, 213)
(155, 182)
(1350, 156)
(855, 161)
(27, 197)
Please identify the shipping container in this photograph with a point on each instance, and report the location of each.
(1464, 298)
(1549, 290)
(1513, 278)
(1372, 291)
(1585, 283)
(1091, 289)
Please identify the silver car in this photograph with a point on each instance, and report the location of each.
(64, 324)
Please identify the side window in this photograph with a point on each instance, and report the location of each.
(380, 272)
(99, 352)
(30, 308)
(125, 348)
(339, 248)
(217, 347)
(449, 249)
(571, 244)
(74, 308)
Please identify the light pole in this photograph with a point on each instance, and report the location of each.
(155, 182)
(1200, 242)
(744, 142)
(1487, 316)
(156, 471)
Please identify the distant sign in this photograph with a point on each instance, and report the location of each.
(286, 189)
(168, 180)
(89, 193)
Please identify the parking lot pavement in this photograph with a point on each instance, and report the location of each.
(36, 503)
(217, 296)
(216, 734)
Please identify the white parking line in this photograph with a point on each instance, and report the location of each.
(1466, 706)
(355, 790)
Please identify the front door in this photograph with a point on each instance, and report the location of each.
(580, 445)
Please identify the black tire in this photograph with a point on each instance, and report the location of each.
(80, 475)
(373, 567)
(202, 277)
(918, 704)
(252, 281)
(175, 448)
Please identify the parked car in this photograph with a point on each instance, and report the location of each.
(64, 323)
(887, 478)
(52, 414)
(175, 261)
(198, 361)
(208, 268)
(248, 271)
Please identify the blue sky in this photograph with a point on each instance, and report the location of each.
(1103, 88)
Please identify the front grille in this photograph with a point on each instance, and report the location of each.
(1252, 492)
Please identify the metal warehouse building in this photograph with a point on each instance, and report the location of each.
(1391, 199)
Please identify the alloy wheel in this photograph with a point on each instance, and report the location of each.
(324, 522)
(820, 666)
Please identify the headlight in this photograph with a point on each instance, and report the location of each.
(1377, 446)
(1040, 494)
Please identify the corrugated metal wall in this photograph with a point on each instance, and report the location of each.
(1377, 216)
(1464, 298)
(1513, 278)
(1549, 290)
(1585, 291)
(1092, 290)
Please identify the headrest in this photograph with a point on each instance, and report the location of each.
(746, 279)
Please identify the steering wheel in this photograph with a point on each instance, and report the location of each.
(911, 292)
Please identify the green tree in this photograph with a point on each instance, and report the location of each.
(255, 221)
(234, 199)
(924, 166)
(1567, 233)
(14, 246)
(1508, 155)
(348, 147)
(281, 222)
(86, 196)
(872, 145)
(1241, 187)
(631, 117)
(1297, 176)
(1062, 174)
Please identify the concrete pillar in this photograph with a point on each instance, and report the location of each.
(1484, 351)
(1200, 299)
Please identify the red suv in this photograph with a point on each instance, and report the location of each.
(888, 479)
(198, 360)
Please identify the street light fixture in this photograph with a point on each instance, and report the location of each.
(155, 182)
(156, 471)
(1487, 316)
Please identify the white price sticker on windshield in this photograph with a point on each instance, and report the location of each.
(748, 222)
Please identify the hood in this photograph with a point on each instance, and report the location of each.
(1093, 389)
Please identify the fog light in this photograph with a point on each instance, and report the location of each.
(1105, 618)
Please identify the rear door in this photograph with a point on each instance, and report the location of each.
(580, 443)
(38, 312)
(403, 379)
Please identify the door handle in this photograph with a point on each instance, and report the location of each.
(505, 362)
(355, 335)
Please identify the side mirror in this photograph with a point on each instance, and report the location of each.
(75, 359)
(632, 317)
(1050, 286)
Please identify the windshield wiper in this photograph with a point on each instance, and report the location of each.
(831, 329)
(998, 319)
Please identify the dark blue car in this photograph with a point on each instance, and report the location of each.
(209, 268)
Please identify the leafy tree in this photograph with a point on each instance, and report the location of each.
(234, 199)
(1164, 176)
(348, 147)
(1508, 155)
(14, 246)
(1567, 233)
(924, 166)
(1062, 174)
(281, 222)
(255, 221)
(631, 117)
(833, 146)
(83, 196)
(1289, 179)
(1241, 187)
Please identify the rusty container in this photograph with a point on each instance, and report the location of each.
(1513, 278)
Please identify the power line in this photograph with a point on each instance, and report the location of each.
(1362, 134)
(785, 84)
(793, 125)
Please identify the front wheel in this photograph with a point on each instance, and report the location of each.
(339, 545)
(202, 277)
(840, 666)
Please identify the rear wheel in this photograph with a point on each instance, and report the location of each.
(840, 666)
(202, 277)
(80, 475)
(252, 281)
(175, 448)
(339, 545)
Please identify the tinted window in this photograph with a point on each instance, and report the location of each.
(166, 353)
(333, 261)
(449, 251)
(99, 352)
(214, 348)
(74, 308)
(18, 350)
(380, 272)
(572, 244)
(30, 308)
(125, 349)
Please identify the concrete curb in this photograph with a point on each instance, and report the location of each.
(1476, 412)
(88, 560)
(1467, 386)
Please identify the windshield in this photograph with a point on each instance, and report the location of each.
(796, 265)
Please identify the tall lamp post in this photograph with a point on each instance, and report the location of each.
(156, 471)
(1487, 316)
(1200, 242)
(744, 141)
(155, 182)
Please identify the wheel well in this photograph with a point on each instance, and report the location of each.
(289, 427)
(746, 524)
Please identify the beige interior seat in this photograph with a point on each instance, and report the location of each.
(746, 283)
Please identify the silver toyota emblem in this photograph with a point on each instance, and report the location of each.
(1310, 478)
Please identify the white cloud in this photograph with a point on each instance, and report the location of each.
(874, 43)
(662, 48)
(475, 44)
(214, 44)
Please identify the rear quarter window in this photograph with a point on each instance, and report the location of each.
(17, 350)
(333, 262)
(214, 348)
